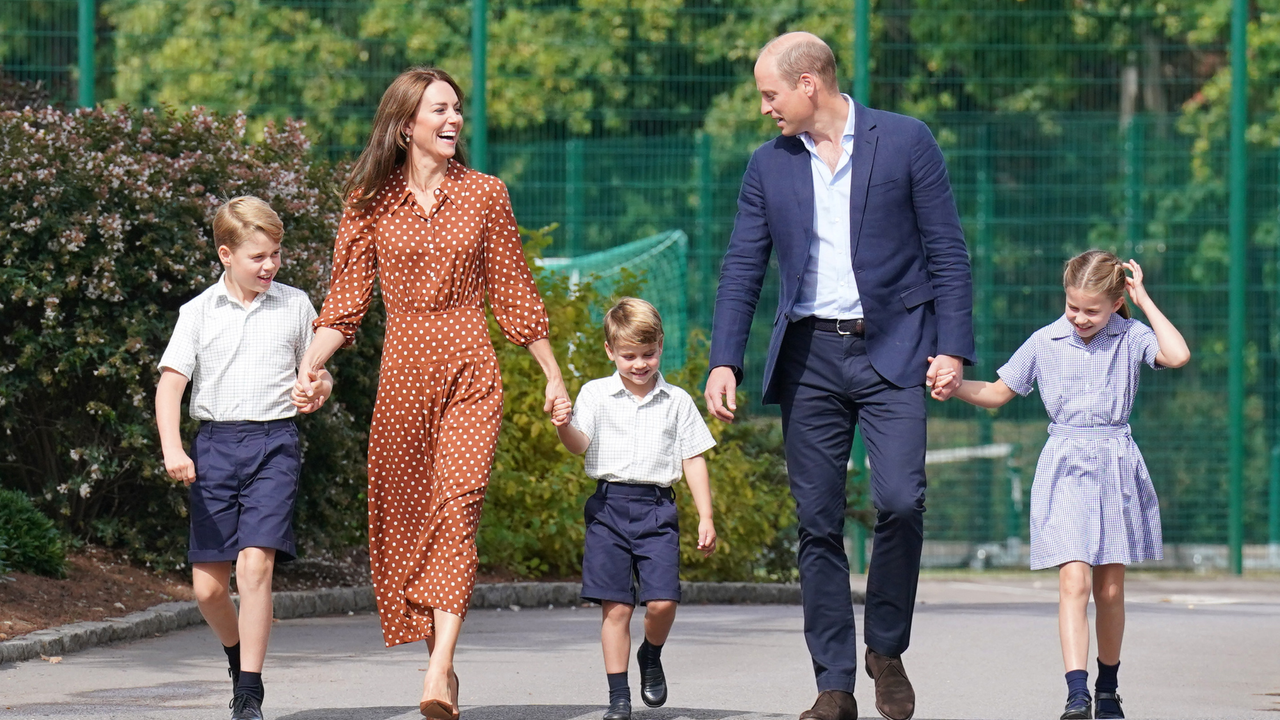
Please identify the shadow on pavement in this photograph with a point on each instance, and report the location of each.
(530, 712)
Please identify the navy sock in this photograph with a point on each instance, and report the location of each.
(233, 660)
(1107, 680)
(649, 653)
(618, 687)
(1077, 683)
(251, 684)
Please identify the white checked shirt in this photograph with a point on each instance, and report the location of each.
(242, 363)
(829, 289)
(639, 440)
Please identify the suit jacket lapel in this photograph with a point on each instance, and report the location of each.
(802, 187)
(865, 140)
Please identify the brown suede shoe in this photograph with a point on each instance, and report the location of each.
(895, 698)
(832, 705)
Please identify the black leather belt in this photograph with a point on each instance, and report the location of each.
(854, 326)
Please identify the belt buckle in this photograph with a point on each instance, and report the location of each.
(838, 330)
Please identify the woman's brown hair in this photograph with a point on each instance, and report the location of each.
(387, 149)
(1097, 272)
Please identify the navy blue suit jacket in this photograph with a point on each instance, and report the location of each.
(908, 249)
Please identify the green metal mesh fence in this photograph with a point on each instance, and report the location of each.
(661, 262)
(1065, 124)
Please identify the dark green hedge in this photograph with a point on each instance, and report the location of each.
(105, 232)
(29, 541)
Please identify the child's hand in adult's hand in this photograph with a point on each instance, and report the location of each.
(940, 390)
(706, 536)
(180, 467)
(309, 392)
(561, 412)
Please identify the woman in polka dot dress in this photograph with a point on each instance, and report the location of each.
(441, 237)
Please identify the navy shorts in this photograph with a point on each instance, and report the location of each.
(632, 548)
(245, 488)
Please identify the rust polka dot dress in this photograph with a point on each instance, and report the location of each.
(439, 403)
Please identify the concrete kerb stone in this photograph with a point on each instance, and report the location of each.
(168, 617)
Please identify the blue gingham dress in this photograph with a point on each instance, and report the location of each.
(1092, 499)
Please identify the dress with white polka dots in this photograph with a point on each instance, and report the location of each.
(439, 402)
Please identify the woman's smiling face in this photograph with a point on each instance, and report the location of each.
(436, 128)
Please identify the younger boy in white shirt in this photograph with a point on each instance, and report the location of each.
(640, 434)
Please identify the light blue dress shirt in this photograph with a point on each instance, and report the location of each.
(830, 289)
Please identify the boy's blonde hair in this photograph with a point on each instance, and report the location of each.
(632, 321)
(1097, 272)
(240, 217)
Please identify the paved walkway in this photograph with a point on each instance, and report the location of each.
(984, 647)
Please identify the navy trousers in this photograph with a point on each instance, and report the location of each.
(827, 386)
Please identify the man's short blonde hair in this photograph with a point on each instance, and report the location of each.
(632, 321)
(240, 217)
(797, 53)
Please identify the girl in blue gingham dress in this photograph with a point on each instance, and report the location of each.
(1093, 507)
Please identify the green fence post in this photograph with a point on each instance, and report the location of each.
(861, 93)
(479, 110)
(87, 32)
(1238, 230)
(1013, 512)
(1133, 175)
(862, 51)
(704, 244)
(573, 200)
(982, 525)
(853, 528)
(1273, 514)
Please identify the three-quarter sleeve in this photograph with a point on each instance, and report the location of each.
(355, 264)
(513, 295)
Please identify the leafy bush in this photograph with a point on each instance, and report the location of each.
(29, 541)
(105, 232)
(533, 522)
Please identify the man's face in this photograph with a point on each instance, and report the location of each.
(790, 107)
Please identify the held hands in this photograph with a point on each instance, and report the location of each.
(946, 373)
(180, 467)
(557, 395)
(311, 390)
(706, 536)
(561, 412)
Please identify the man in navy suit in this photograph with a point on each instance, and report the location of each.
(875, 302)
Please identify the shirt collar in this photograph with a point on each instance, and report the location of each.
(1062, 328)
(454, 174)
(848, 127)
(616, 387)
(222, 292)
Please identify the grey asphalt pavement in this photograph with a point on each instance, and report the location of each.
(983, 647)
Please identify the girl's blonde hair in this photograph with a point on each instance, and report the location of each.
(632, 321)
(387, 149)
(240, 217)
(1097, 272)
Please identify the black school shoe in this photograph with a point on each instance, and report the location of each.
(653, 683)
(245, 707)
(1079, 707)
(1107, 705)
(619, 709)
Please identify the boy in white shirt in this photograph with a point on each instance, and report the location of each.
(640, 434)
(239, 343)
